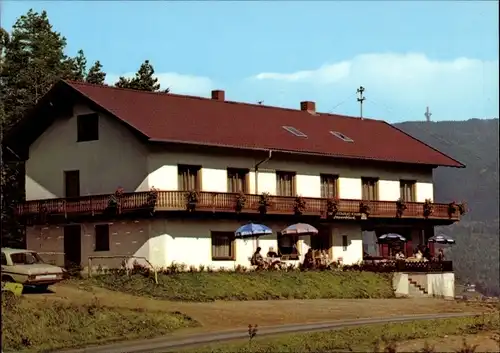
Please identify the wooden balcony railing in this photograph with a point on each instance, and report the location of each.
(406, 266)
(226, 202)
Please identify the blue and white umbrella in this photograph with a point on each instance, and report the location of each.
(391, 237)
(251, 230)
(441, 239)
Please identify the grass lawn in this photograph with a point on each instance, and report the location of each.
(206, 286)
(41, 325)
(361, 339)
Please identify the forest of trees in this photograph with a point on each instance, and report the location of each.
(32, 59)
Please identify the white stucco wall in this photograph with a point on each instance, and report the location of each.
(119, 159)
(188, 242)
(116, 159)
(441, 284)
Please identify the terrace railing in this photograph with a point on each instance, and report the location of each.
(226, 202)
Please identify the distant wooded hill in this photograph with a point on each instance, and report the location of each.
(475, 143)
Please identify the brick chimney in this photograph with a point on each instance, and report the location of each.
(308, 106)
(218, 95)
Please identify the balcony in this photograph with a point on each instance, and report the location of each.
(227, 202)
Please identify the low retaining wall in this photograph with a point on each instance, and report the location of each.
(440, 285)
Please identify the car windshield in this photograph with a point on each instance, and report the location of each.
(26, 258)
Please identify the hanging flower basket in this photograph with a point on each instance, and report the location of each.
(364, 208)
(332, 207)
(264, 202)
(400, 207)
(241, 201)
(192, 199)
(114, 200)
(152, 197)
(299, 206)
(462, 208)
(452, 208)
(428, 208)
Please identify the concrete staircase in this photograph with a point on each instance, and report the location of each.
(417, 286)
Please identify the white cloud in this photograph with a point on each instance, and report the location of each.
(410, 79)
(178, 83)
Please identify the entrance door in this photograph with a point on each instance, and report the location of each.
(72, 245)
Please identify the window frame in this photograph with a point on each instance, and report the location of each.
(279, 181)
(232, 245)
(412, 184)
(97, 242)
(295, 241)
(191, 170)
(87, 127)
(345, 242)
(241, 174)
(335, 178)
(375, 186)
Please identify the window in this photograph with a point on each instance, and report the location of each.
(72, 183)
(237, 180)
(87, 127)
(189, 177)
(288, 246)
(329, 186)
(294, 131)
(4, 259)
(407, 190)
(345, 242)
(370, 189)
(223, 246)
(341, 136)
(101, 237)
(285, 183)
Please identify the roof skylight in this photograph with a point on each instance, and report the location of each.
(341, 136)
(294, 131)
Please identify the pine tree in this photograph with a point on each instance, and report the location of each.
(76, 67)
(144, 79)
(95, 74)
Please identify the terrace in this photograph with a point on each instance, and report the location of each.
(164, 201)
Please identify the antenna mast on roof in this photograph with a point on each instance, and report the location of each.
(361, 98)
(427, 114)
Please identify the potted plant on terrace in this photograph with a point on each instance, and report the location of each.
(264, 202)
(299, 206)
(364, 208)
(428, 208)
(400, 207)
(192, 199)
(462, 208)
(241, 201)
(332, 207)
(152, 197)
(115, 199)
(452, 208)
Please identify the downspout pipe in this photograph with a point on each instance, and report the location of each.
(270, 155)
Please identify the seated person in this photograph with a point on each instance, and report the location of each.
(271, 253)
(400, 255)
(309, 259)
(257, 259)
(418, 255)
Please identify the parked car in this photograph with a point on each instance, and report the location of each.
(27, 267)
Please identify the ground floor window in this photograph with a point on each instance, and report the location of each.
(223, 246)
(288, 245)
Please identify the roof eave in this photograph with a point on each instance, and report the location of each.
(304, 153)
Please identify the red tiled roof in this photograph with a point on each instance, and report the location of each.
(203, 121)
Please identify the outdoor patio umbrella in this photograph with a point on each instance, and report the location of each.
(441, 239)
(391, 237)
(252, 230)
(299, 229)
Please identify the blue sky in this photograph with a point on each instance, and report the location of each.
(406, 54)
